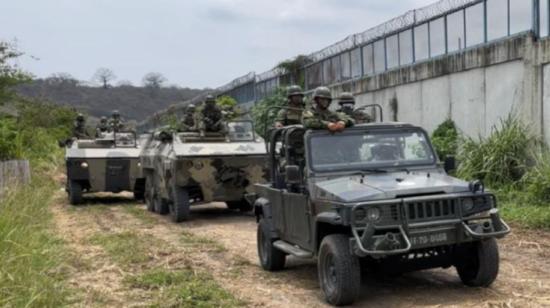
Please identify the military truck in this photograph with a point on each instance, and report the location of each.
(106, 164)
(374, 196)
(185, 168)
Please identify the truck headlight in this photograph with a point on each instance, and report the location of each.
(373, 213)
(468, 204)
(84, 165)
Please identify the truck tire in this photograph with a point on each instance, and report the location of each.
(477, 263)
(180, 205)
(271, 258)
(149, 193)
(339, 270)
(75, 193)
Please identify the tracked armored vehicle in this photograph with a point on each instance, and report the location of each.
(106, 164)
(372, 196)
(185, 168)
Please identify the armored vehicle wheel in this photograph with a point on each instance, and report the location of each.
(477, 263)
(149, 194)
(339, 270)
(180, 206)
(242, 205)
(271, 258)
(75, 193)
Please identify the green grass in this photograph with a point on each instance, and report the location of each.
(189, 239)
(31, 257)
(183, 288)
(141, 214)
(528, 216)
(126, 248)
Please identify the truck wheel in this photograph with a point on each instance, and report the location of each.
(271, 258)
(477, 263)
(339, 270)
(149, 194)
(180, 206)
(75, 193)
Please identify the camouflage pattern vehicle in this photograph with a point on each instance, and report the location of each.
(106, 164)
(185, 168)
(372, 196)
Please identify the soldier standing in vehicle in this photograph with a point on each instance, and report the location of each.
(79, 129)
(347, 106)
(188, 122)
(102, 127)
(292, 113)
(116, 124)
(210, 117)
(320, 117)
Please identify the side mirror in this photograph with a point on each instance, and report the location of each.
(293, 174)
(449, 164)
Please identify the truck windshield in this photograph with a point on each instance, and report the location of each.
(371, 149)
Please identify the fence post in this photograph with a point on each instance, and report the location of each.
(536, 18)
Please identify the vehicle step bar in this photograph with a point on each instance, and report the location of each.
(293, 250)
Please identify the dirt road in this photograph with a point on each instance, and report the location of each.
(524, 279)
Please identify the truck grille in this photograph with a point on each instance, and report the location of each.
(427, 210)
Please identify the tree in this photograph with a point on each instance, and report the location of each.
(10, 75)
(104, 76)
(125, 83)
(153, 80)
(61, 79)
(295, 69)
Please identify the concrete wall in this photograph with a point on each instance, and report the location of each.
(476, 88)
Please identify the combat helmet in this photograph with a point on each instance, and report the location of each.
(346, 98)
(190, 108)
(103, 119)
(80, 117)
(293, 91)
(322, 92)
(210, 99)
(115, 114)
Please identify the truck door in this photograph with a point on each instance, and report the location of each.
(297, 219)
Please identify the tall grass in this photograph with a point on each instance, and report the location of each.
(30, 255)
(501, 159)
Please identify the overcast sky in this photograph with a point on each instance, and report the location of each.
(201, 43)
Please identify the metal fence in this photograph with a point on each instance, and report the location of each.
(445, 27)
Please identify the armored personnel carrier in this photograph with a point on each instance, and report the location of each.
(374, 195)
(106, 164)
(187, 168)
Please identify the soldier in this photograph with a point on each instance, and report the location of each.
(102, 127)
(210, 117)
(347, 106)
(79, 129)
(292, 115)
(116, 124)
(320, 117)
(188, 122)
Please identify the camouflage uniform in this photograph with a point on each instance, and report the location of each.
(320, 116)
(116, 124)
(102, 127)
(210, 117)
(347, 106)
(229, 112)
(188, 122)
(79, 129)
(290, 115)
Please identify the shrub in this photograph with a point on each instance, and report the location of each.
(500, 159)
(264, 119)
(536, 182)
(445, 139)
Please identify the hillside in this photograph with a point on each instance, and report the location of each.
(133, 102)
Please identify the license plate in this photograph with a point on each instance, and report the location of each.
(429, 239)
